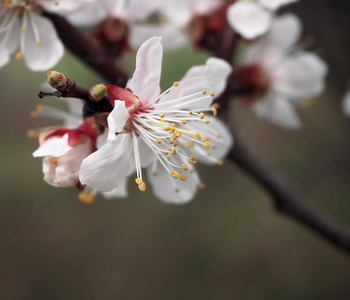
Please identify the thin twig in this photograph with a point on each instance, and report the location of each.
(83, 47)
(284, 198)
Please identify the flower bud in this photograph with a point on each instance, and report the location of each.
(56, 79)
(97, 92)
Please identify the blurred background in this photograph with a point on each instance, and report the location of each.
(228, 243)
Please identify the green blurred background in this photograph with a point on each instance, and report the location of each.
(228, 243)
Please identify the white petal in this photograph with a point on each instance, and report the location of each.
(90, 15)
(275, 4)
(346, 104)
(220, 141)
(106, 168)
(300, 76)
(249, 19)
(64, 6)
(120, 192)
(172, 38)
(66, 173)
(278, 111)
(138, 10)
(210, 77)
(283, 34)
(169, 189)
(4, 58)
(55, 146)
(145, 81)
(44, 56)
(116, 119)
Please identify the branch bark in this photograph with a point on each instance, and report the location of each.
(83, 47)
(284, 198)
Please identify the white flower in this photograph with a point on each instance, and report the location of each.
(165, 132)
(178, 18)
(253, 18)
(346, 104)
(132, 19)
(22, 27)
(63, 150)
(291, 75)
(61, 158)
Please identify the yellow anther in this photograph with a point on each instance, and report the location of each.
(166, 152)
(220, 163)
(162, 115)
(184, 122)
(176, 83)
(38, 43)
(87, 198)
(183, 177)
(174, 174)
(155, 173)
(173, 124)
(19, 55)
(159, 141)
(204, 92)
(167, 128)
(184, 167)
(202, 186)
(202, 116)
(206, 145)
(39, 107)
(53, 160)
(172, 130)
(171, 142)
(33, 114)
(212, 94)
(192, 157)
(217, 105)
(190, 145)
(57, 3)
(214, 110)
(177, 134)
(138, 181)
(142, 187)
(31, 134)
(207, 121)
(198, 135)
(173, 151)
(161, 121)
(190, 112)
(22, 29)
(175, 144)
(206, 139)
(192, 162)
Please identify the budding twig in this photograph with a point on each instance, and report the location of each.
(83, 47)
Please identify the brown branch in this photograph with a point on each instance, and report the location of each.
(284, 198)
(83, 47)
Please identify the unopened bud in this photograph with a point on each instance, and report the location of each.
(56, 79)
(97, 92)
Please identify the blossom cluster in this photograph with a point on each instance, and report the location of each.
(119, 131)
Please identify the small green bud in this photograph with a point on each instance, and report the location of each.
(97, 92)
(56, 79)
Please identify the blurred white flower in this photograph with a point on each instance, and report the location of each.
(253, 18)
(346, 104)
(22, 27)
(287, 74)
(166, 132)
(63, 148)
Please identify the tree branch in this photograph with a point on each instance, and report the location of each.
(284, 198)
(83, 47)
